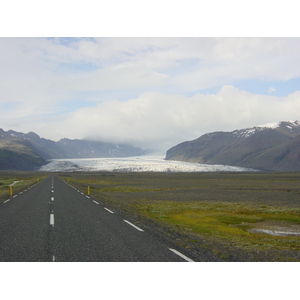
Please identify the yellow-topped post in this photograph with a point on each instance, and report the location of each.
(10, 190)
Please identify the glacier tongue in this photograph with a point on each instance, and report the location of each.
(134, 164)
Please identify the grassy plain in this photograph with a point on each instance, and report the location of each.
(228, 210)
(20, 180)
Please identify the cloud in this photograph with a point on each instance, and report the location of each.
(151, 92)
(124, 77)
(160, 121)
(54, 68)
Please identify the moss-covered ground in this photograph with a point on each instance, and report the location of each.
(19, 181)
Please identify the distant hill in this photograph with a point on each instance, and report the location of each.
(20, 151)
(17, 155)
(273, 147)
(94, 149)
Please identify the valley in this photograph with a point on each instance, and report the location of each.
(28, 152)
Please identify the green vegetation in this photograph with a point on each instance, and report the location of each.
(20, 181)
(227, 221)
(230, 208)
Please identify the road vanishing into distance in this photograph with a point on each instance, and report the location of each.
(52, 221)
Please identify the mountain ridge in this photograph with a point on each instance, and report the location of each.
(271, 147)
(28, 151)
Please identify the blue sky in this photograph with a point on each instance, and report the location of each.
(278, 88)
(149, 92)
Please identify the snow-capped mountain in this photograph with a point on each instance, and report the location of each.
(291, 128)
(266, 147)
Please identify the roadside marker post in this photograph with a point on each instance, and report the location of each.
(89, 191)
(10, 190)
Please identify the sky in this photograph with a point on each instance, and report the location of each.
(150, 92)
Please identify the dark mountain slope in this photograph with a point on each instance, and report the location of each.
(17, 155)
(27, 151)
(284, 157)
(45, 148)
(265, 148)
(94, 149)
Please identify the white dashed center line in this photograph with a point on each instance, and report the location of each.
(52, 198)
(52, 220)
(95, 202)
(6, 200)
(181, 255)
(109, 210)
(139, 229)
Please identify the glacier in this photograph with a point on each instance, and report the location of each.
(134, 164)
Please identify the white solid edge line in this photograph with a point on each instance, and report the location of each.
(95, 202)
(181, 255)
(52, 219)
(133, 225)
(109, 210)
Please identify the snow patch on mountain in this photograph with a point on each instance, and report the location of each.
(245, 133)
(289, 124)
(270, 125)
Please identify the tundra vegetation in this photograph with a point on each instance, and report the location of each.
(19, 180)
(257, 214)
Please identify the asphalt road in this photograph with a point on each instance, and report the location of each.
(52, 221)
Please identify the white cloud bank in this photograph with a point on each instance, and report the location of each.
(160, 121)
(64, 87)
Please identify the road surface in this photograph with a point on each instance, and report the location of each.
(52, 221)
